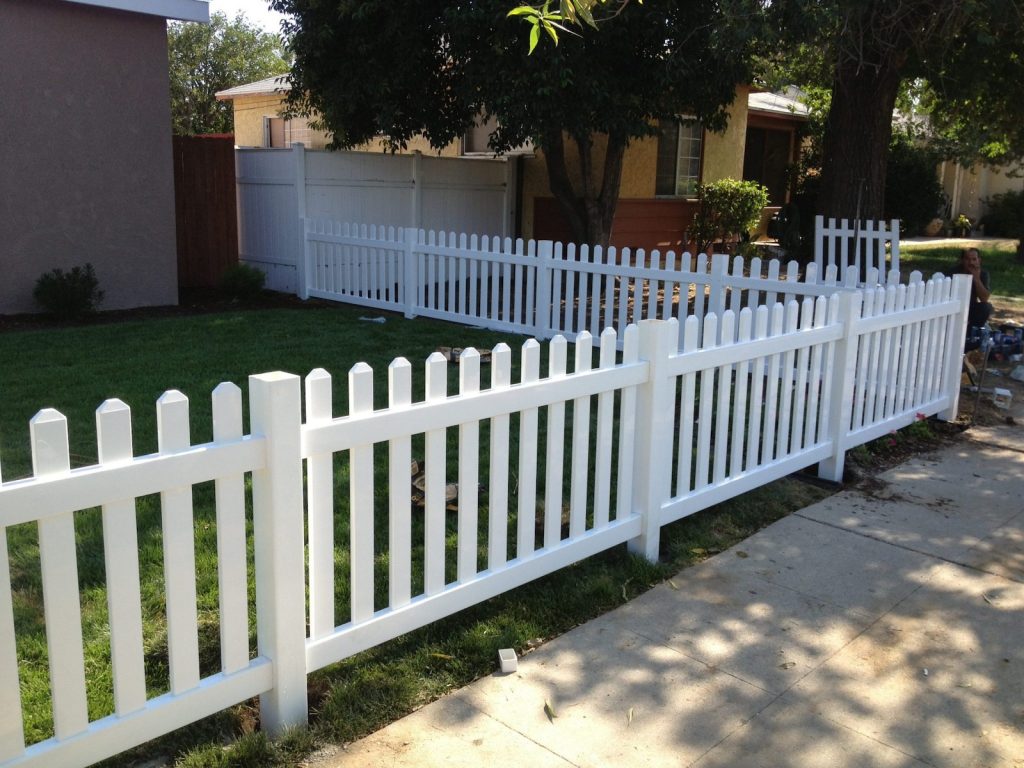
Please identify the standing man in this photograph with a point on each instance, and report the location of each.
(970, 264)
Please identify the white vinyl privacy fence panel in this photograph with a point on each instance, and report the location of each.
(278, 188)
(638, 441)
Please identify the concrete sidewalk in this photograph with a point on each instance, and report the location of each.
(880, 628)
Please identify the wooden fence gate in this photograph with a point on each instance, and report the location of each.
(206, 212)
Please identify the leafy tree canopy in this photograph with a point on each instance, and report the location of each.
(960, 63)
(205, 59)
(433, 67)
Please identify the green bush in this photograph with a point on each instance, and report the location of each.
(242, 282)
(1004, 214)
(913, 193)
(69, 295)
(728, 210)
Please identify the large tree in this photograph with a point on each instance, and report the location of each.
(207, 58)
(408, 67)
(968, 52)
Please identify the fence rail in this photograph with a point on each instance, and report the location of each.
(628, 446)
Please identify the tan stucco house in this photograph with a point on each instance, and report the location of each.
(658, 192)
(94, 181)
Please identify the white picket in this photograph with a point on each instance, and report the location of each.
(121, 561)
(361, 493)
(707, 387)
(603, 436)
(816, 385)
(179, 550)
(771, 401)
(627, 427)
(527, 486)
(497, 493)
(399, 497)
(59, 565)
(557, 360)
(800, 394)
(469, 469)
(435, 466)
(320, 503)
(740, 396)
(724, 400)
(580, 443)
(684, 482)
(786, 385)
(12, 733)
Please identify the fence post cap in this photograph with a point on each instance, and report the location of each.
(272, 377)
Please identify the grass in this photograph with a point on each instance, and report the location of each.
(74, 369)
(1005, 272)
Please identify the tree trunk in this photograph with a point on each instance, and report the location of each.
(856, 143)
(589, 209)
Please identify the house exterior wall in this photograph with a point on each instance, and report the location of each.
(968, 193)
(722, 158)
(99, 187)
(250, 112)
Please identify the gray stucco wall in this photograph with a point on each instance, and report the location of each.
(85, 152)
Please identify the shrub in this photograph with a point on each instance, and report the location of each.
(242, 282)
(913, 193)
(69, 295)
(1004, 214)
(729, 210)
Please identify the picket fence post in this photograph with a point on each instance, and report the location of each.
(542, 304)
(843, 378)
(279, 548)
(957, 330)
(301, 255)
(410, 289)
(654, 429)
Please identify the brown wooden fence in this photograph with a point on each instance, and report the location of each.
(204, 198)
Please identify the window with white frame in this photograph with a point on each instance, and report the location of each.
(679, 145)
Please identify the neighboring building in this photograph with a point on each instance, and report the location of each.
(968, 188)
(659, 178)
(93, 181)
(257, 111)
(658, 193)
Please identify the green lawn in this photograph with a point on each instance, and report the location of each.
(74, 369)
(1005, 272)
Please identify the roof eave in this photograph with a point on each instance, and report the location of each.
(179, 10)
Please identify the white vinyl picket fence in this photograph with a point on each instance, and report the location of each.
(540, 288)
(857, 248)
(650, 437)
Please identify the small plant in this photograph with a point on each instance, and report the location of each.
(962, 225)
(69, 295)
(729, 210)
(242, 282)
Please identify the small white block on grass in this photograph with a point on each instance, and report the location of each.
(508, 660)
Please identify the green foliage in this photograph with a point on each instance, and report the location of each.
(69, 295)
(405, 68)
(959, 62)
(243, 282)
(913, 193)
(207, 58)
(728, 210)
(1004, 215)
